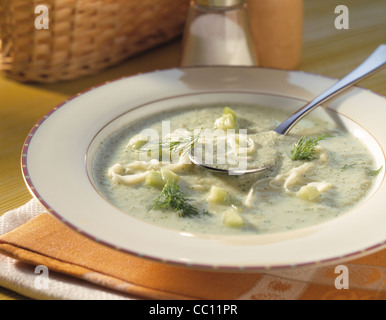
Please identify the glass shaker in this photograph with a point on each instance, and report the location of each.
(217, 32)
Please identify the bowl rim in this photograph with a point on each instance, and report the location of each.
(35, 192)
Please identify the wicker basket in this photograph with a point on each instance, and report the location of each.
(84, 36)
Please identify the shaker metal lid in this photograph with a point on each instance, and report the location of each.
(220, 3)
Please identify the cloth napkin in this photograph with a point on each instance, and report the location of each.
(43, 259)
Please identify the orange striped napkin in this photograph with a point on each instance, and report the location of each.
(44, 241)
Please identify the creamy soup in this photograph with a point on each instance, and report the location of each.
(153, 180)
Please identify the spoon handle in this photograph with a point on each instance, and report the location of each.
(376, 60)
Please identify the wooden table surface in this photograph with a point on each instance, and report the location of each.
(326, 51)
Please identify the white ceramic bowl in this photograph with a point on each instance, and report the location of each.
(58, 154)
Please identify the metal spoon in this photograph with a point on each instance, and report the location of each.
(372, 64)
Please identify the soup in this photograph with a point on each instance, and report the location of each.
(315, 173)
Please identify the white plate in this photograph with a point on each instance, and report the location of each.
(59, 150)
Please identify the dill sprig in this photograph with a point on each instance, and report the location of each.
(183, 145)
(374, 173)
(172, 197)
(304, 149)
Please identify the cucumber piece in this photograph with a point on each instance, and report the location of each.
(233, 219)
(154, 179)
(168, 175)
(137, 142)
(219, 196)
(227, 121)
(228, 110)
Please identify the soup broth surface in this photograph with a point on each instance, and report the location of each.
(291, 194)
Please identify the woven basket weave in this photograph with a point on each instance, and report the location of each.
(84, 36)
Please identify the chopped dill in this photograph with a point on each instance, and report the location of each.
(347, 166)
(304, 149)
(374, 173)
(172, 197)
